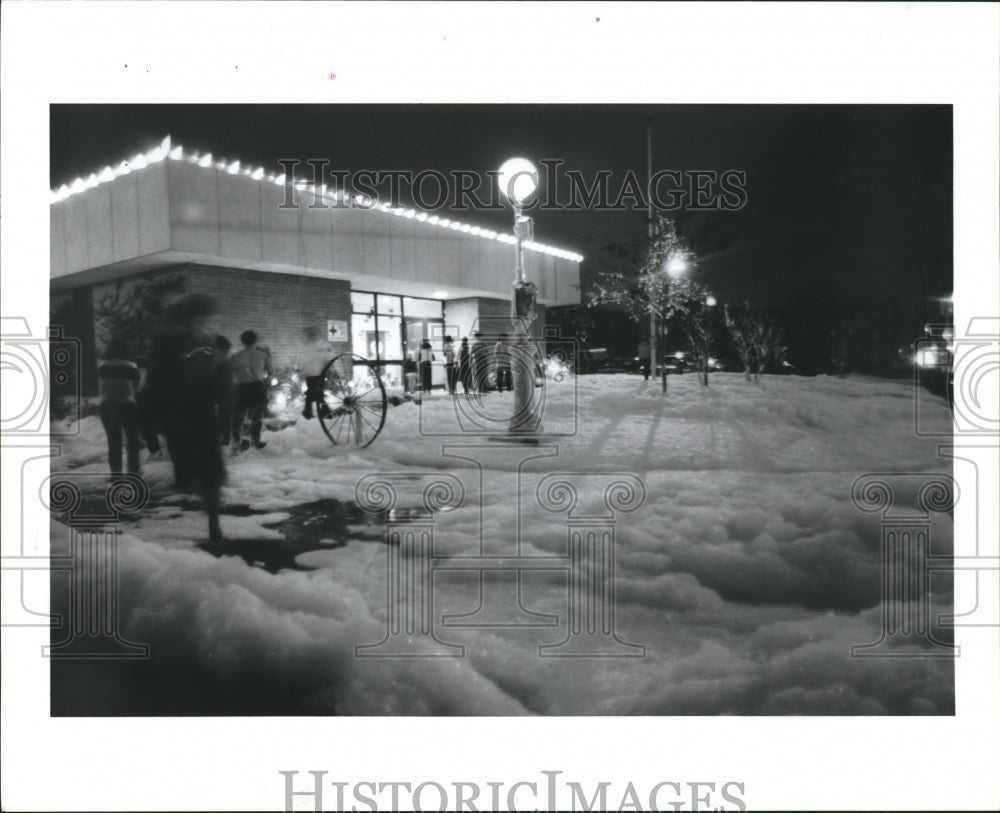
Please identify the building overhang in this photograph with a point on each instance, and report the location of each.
(168, 208)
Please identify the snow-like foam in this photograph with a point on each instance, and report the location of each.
(747, 574)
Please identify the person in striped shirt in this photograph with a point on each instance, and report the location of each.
(118, 377)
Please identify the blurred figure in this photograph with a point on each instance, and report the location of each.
(119, 378)
(252, 367)
(501, 353)
(449, 364)
(425, 358)
(312, 361)
(224, 389)
(183, 385)
(480, 363)
(148, 422)
(465, 365)
(410, 373)
(644, 358)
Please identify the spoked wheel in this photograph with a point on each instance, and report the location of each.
(354, 401)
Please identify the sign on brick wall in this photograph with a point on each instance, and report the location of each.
(336, 330)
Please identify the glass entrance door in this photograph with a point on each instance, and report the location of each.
(415, 331)
(387, 328)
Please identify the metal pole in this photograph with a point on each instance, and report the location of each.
(518, 262)
(525, 419)
(649, 175)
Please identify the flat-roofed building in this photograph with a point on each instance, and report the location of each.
(378, 279)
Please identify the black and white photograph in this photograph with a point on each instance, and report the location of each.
(394, 417)
(733, 348)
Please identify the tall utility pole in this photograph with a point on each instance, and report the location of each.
(649, 177)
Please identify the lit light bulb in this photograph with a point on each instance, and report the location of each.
(518, 178)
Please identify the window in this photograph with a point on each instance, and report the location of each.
(389, 305)
(422, 308)
(362, 302)
(391, 334)
(377, 326)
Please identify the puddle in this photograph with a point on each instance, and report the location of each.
(320, 525)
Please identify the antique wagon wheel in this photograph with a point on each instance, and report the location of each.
(354, 401)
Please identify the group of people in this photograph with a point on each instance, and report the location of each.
(199, 396)
(193, 392)
(471, 365)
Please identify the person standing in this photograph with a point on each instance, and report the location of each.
(425, 358)
(252, 367)
(465, 365)
(312, 362)
(410, 374)
(644, 355)
(480, 363)
(501, 353)
(118, 378)
(182, 381)
(449, 364)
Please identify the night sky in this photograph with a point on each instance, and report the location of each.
(844, 202)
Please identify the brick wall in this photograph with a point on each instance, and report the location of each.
(494, 316)
(459, 317)
(489, 315)
(275, 306)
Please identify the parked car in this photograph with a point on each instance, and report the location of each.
(602, 360)
(933, 362)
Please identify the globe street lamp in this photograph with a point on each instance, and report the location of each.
(518, 179)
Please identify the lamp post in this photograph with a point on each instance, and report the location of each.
(676, 265)
(518, 179)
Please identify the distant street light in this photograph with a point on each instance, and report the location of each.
(677, 265)
(518, 179)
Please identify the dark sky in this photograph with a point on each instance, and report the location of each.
(843, 201)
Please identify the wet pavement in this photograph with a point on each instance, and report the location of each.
(321, 525)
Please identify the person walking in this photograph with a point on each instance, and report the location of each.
(146, 409)
(224, 389)
(644, 355)
(501, 353)
(118, 377)
(425, 358)
(312, 362)
(183, 384)
(449, 364)
(252, 367)
(465, 365)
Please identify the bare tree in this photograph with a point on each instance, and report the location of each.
(739, 324)
(700, 323)
(132, 309)
(758, 340)
(771, 349)
(640, 282)
(840, 344)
